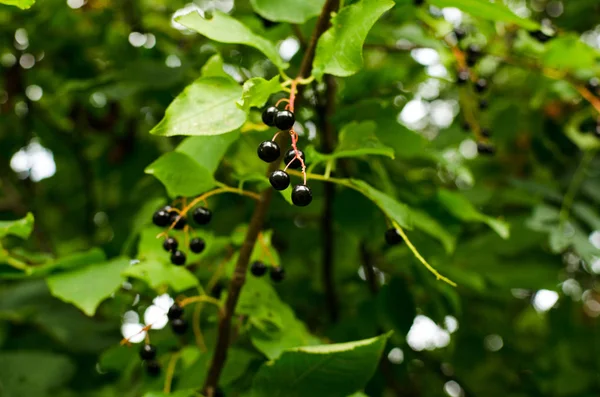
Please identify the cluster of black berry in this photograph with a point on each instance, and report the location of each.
(169, 216)
(269, 151)
(392, 237)
(178, 324)
(259, 269)
(148, 356)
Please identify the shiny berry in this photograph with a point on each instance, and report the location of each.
(148, 352)
(301, 195)
(268, 116)
(485, 149)
(197, 245)
(280, 180)
(392, 237)
(180, 220)
(202, 215)
(460, 34)
(466, 126)
(540, 36)
(463, 77)
(175, 311)
(258, 268)
(284, 120)
(277, 274)
(291, 155)
(178, 258)
(170, 244)
(152, 368)
(161, 217)
(481, 85)
(179, 326)
(268, 151)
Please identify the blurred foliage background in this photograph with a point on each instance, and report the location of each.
(83, 82)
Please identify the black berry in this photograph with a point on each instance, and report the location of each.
(460, 33)
(593, 85)
(161, 217)
(540, 36)
(277, 274)
(280, 180)
(197, 245)
(152, 368)
(284, 120)
(181, 221)
(486, 133)
(258, 268)
(170, 244)
(485, 149)
(301, 195)
(147, 352)
(175, 311)
(202, 215)
(268, 151)
(291, 155)
(179, 326)
(463, 77)
(268, 116)
(481, 85)
(418, 2)
(466, 126)
(392, 237)
(178, 258)
(219, 392)
(483, 104)
(473, 54)
(217, 290)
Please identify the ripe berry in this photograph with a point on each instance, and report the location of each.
(473, 54)
(485, 149)
(258, 268)
(175, 311)
(540, 36)
(466, 126)
(291, 155)
(197, 245)
(202, 215)
(277, 274)
(280, 180)
(301, 195)
(593, 85)
(418, 2)
(170, 244)
(148, 352)
(161, 217)
(181, 221)
(392, 237)
(268, 151)
(152, 368)
(178, 258)
(284, 120)
(481, 85)
(463, 77)
(268, 116)
(483, 104)
(460, 33)
(179, 326)
(486, 133)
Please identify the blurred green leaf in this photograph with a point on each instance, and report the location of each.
(33, 373)
(214, 68)
(339, 50)
(292, 11)
(209, 150)
(257, 91)
(86, 288)
(205, 107)
(307, 371)
(21, 228)
(181, 175)
(225, 29)
(158, 274)
(569, 52)
(22, 4)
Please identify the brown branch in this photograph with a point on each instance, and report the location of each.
(256, 224)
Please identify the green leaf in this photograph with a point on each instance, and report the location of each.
(225, 29)
(393, 209)
(21, 228)
(257, 91)
(178, 393)
(574, 130)
(22, 4)
(569, 52)
(214, 68)
(159, 274)
(208, 150)
(34, 373)
(292, 11)
(205, 107)
(86, 288)
(339, 51)
(71, 261)
(336, 370)
(429, 225)
(487, 10)
(462, 208)
(181, 175)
